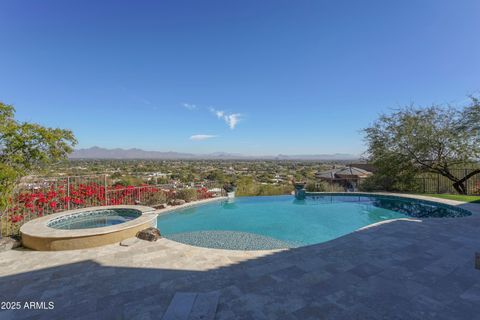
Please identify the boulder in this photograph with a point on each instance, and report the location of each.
(9, 243)
(149, 234)
(160, 206)
(177, 202)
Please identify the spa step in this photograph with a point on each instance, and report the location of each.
(192, 306)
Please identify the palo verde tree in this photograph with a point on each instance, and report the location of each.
(24, 147)
(417, 140)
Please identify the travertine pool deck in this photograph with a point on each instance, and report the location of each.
(421, 269)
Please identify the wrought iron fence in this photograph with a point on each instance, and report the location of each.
(435, 183)
(36, 197)
(425, 183)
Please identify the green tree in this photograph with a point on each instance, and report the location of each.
(129, 181)
(246, 186)
(25, 147)
(419, 140)
(471, 116)
(393, 173)
(217, 175)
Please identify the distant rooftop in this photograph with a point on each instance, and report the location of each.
(343, 172)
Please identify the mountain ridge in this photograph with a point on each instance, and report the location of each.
(136, 153)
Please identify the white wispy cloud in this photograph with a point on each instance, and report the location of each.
(189, 106)
(231, 119)
(202, 137)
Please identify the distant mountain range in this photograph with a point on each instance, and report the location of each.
(103, 153)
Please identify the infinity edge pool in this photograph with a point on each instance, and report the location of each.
(225, 236)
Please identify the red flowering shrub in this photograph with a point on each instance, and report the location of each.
(34, 203)
(202, 193)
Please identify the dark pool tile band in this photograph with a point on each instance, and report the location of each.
(457, 211)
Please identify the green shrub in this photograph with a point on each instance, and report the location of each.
(187, 194)
(395, 183)
(273, 190)
(317, 186)
(156, 198)
(129, 181)
(323, 186)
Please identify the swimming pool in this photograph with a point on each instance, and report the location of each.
(256, 223)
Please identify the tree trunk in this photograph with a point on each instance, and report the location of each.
(460, 186)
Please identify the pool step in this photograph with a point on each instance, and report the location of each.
(192, 306)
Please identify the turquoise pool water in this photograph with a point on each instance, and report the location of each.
(252, 223)
(94, 219)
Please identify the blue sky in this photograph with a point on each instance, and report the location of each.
(252, 77)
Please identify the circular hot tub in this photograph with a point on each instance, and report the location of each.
(94, 218)
(86, 228)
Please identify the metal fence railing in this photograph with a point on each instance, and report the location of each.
(435, 183)
(424, 183)
(36, 197)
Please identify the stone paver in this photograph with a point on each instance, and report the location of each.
(180, 306)
(422, 269)
(205, 306)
